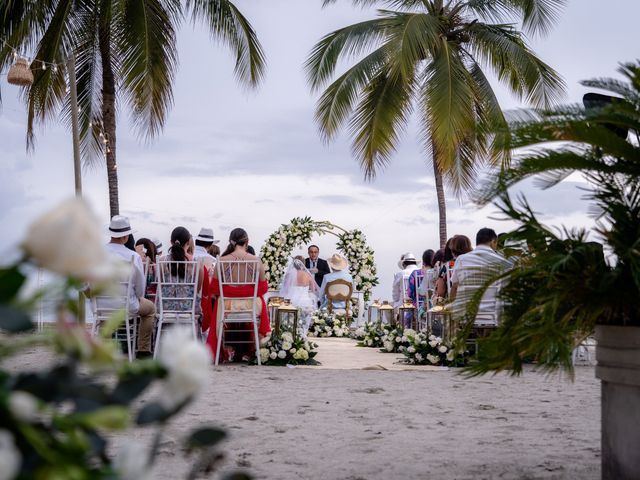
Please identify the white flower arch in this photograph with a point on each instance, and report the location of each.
(353, 245)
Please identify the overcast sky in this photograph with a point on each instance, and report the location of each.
(229, 157)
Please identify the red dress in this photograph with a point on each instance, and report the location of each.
(231, 291)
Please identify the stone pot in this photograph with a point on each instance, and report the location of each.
(618, 355)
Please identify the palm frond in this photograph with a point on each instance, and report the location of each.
(537, 16)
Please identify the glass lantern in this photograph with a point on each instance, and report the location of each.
(272, 306)
(287, 320)
(408, 315)
(372, 311)
(386, 314)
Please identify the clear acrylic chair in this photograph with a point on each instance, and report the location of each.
(177, 296)
(236, 311)
(105, 306)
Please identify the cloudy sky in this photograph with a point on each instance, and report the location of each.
(229, 157)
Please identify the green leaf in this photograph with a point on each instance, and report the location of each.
(112, 417)
(152, 413)
(205, 437)
(130, 387)
(11, 279)
(13, 320)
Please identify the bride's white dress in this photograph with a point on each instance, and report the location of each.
(299, 296)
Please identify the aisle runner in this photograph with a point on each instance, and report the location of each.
(343, 354)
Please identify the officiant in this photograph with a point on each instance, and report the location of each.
(317, 266)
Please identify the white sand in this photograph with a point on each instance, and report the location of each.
(325, 423)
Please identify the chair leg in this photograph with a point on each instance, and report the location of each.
(257, 339)
(155, 350)
(220, 333)
(128, 332)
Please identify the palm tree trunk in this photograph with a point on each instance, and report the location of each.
(442, 207)
(109, 116)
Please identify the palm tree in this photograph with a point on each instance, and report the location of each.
(431, 56)
(125, 52)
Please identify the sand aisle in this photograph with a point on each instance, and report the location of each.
(320, 423)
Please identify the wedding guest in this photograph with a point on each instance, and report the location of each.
(418, 274)
(456, 246)
(468, 274)
(251, 250)
(316, 265)
(130, 243)
(202, 252)
(339, 270)
(120, 231)
(149, 258)
(398, 290)
(215, 251)
(158, 245)
(237, 250)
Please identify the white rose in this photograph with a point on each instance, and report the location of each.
(411, 350)
(419, 357)
(432, 337)
(304, 355)
(398, 339)
(401, 348)
(10, 456)
(388, 346)
(132, 461)
(433, 343)
(23, 406)
(442, 349)
(286, 346)
(409, 332)
(188, 362)
(273, 355)
(264, 355)
(369, 342)
(293, 350)
(404, 339)
(451, 355)
(432, 358)
(282, 354)
(67, 240)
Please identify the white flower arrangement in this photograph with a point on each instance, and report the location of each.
(279, 245)
(325, 324)
(396, 339)
(427, 349)
(284, 349)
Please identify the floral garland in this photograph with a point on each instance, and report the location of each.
(279, 245)
(285, 350)
(325, 324)
(425, 349)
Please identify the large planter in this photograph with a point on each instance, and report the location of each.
(618, 354)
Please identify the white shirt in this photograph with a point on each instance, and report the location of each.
(400, 282)
(138, 281)
(205, 258)
(472, 270)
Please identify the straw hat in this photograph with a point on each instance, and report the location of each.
(119, 227)
(337, 262)
(206, 235)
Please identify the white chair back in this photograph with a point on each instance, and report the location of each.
(177, 295)
(105, 306)
(236, 310)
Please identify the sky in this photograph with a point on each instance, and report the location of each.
(229, 157)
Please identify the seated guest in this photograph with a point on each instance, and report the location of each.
(472, 269)
(237, 250)
(158, 245)
(400, 280)
(339, 269)
(456, 246)
(416, 276)
(147, 249)
(120, 231)
(202, 252)
(215, 251)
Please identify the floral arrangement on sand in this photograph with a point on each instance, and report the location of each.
(325, 324)
(426, 349)
(285, 350)
(396, 338)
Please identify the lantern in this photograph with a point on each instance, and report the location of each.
(441, 323)
(407, 314)
(386, 314)
(287, 319)
(20, 73)
(274, 303)
(372, 311)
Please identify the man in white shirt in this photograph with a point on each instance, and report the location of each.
(339, 266)
(120, 229)
(202, 252)
(401, 279)
(472, 270)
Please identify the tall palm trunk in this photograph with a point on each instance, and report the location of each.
(109, 116)
(442, 207)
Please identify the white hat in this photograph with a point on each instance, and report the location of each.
(406, 257)
(337, 262)
(119, 227)
(206, 235)
(158, 245)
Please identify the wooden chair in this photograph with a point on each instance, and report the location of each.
(339, 290)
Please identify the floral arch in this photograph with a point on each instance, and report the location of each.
(352, 244)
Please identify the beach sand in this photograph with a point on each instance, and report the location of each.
(362, 416)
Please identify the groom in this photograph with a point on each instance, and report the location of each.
(317, 266)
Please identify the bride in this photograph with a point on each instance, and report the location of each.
(299, 286)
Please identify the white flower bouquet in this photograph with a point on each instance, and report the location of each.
(397, 339)
(370, 335)
(325, 324)
(284, 349)
(425, 349)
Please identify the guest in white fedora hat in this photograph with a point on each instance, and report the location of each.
(204, 249)
(158, 245)
(408, 264)
(340, 270)
(120, 230)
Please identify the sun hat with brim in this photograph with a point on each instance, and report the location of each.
(119, 227)
(406, 257)
(206, 235)
(158, 245)
(337, 262)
